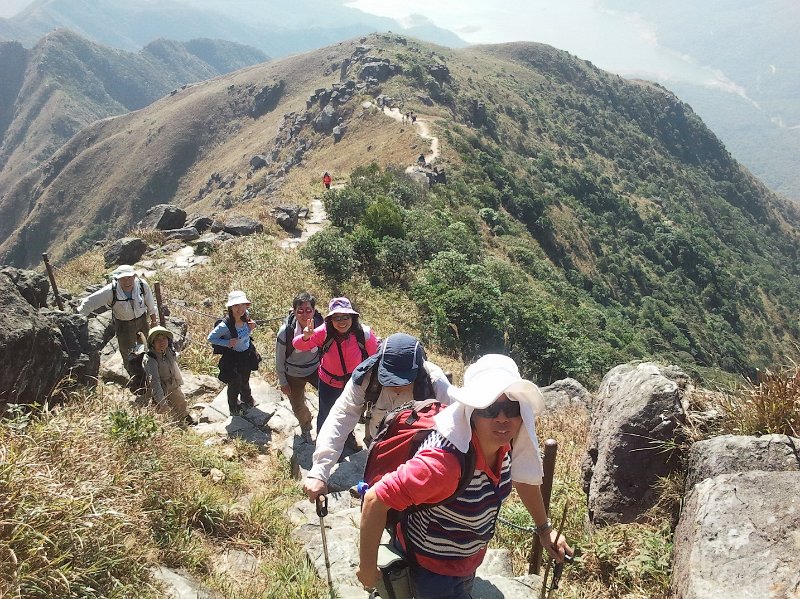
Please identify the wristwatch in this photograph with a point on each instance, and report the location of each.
(543, 527)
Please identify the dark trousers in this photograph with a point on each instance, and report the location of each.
(239, 385)
(327, 397)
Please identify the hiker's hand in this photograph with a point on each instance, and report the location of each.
(368, 576)
(557, 548)
(232, 342)
(251, 324)
(286, 389)
(314, 487)
(152, 320)
(308, 330)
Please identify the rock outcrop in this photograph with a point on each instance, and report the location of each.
(636, 416)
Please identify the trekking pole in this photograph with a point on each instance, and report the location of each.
(52, 277)
(549, 560)
(549, 462)
(322, 511)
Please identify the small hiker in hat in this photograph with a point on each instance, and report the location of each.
(163, 376)
(132, 304)
(344, 343)
(239, 356)
(495, 413)
(296, 369)
(397, 374)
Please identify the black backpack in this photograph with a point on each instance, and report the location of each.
(219, 349)
(115, 299)
(291, 323)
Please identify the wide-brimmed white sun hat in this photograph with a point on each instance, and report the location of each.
(235, 298)
(492, 376)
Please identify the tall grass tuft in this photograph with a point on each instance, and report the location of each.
(770, 406)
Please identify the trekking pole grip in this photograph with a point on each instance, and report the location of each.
(322, 506)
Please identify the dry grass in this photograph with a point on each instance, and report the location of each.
(616, 562)
(78, 527)
(770, 406)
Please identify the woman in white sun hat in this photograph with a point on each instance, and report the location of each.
(239, 355)
(493, 412)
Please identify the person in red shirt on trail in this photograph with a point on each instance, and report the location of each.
(326, 180)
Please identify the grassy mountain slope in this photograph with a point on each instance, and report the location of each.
(66, 82)
(586, 220)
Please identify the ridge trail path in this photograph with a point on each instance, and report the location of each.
(317, 218)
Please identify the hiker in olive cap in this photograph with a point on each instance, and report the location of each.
(163, 376)
(133, 307)
(397, 374)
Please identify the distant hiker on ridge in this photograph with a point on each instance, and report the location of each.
(131, 302)
(326, 180)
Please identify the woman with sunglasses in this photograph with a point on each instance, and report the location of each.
(494, 413)
(343, 343)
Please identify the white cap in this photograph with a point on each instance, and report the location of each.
(124, 270)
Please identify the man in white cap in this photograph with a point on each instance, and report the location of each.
(494, 410)
(133, 307)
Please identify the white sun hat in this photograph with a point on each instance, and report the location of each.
(235, 298)
(484, 381)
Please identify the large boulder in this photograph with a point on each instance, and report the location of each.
(163, 217)
(30, 350)
(739, 538)
(182, 234)
(326, 120)
(727, 454)
(286, 217)
(267, 98)
(128, 250)
(633, 440)
(33, 286)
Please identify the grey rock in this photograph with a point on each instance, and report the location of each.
(738, 538)
(181, 585)
(258, 161)
(267, 98)
(636, 420)
(201, 223)
(425, 99)
(727, 454)
(32, 350)
(127, 250)
(242, 225)
(163, 217)
(184, 234)
(325, 120)
(566, 393)
(286, 217)
(31, 285)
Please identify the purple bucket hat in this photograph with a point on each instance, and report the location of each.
(340, 305)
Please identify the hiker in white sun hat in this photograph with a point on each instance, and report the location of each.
(493, 417)
(133, 309)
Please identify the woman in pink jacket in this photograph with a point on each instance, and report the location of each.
(344, 343)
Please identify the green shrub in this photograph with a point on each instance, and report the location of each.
(331, 254)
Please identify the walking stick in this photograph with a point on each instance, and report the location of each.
(322, 511)
(549, 560)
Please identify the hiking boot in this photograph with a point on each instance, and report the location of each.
(235, 410)
(306, 436)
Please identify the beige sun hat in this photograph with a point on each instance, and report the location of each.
(237, 297)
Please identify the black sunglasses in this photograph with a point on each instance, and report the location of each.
(509, 408)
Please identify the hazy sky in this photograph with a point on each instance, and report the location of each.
(617, 42)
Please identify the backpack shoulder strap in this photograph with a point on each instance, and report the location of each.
(231, 327)
(113, 292)
(361, 339)
(290, 326)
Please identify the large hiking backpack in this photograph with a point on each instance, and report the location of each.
(291, 323)
(400, 434)
(219, 349)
